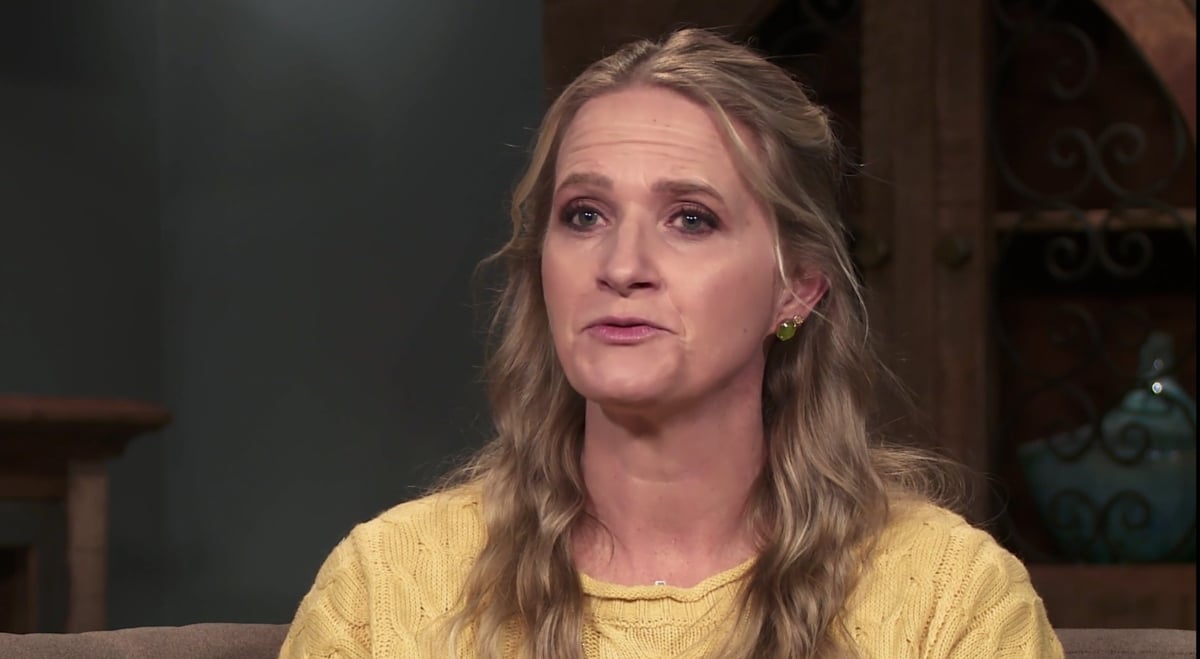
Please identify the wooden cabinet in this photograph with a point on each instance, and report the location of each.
(1034, 174)
(1027, 199)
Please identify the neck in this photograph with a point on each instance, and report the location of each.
(670, 495)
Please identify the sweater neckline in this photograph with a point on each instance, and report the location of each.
(610, 591)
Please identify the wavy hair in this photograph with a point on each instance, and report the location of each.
(825, 490)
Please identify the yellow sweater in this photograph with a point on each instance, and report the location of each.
(937, 587)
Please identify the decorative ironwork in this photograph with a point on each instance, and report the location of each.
(1052, 63)
(803, 35)
(1091, 155)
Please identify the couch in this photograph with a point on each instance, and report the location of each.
(251, 641)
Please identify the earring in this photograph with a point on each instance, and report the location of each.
(787, 329)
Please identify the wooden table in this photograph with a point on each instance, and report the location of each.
(56, 449)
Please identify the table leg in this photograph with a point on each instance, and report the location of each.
(18, 590)
(87, 544)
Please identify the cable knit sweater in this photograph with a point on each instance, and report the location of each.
(936, 587)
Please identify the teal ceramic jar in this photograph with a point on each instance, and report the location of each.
(1124, 492)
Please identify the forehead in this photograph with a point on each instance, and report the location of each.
(648, 126)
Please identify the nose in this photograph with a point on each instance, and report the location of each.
(628, 263)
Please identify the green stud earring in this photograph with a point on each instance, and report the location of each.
(787, 329)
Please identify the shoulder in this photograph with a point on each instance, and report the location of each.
(933, 576)
(447, 524)
(936, 547)
(385, 583)
(921, 531)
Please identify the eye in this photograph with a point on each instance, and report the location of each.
(580, 216)
(695, 220)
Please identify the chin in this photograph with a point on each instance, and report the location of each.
(625, 400)
(632, 391)
(626, 378)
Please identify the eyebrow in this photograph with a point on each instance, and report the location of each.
(586, 178)
(673, 187)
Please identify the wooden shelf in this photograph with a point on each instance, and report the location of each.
(1143, 219)
(1118, 596)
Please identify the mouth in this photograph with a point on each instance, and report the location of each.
(624, 331)
(624, 322)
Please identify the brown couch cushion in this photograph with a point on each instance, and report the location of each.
(247, 641)
(206, 641)
(1127, 643)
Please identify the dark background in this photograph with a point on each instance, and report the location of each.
(265, 215)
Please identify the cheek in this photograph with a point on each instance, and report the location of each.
(555, 288)
(731, 304)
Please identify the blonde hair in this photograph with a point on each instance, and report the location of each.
(825, 490)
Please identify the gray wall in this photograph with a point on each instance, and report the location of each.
(80, 285)
(291, 211)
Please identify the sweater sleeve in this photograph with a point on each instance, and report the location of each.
(333, 619)
(993, 611)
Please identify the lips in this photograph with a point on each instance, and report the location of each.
(624, 330)
(624, 321)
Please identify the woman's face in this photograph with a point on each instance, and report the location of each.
(658, 265)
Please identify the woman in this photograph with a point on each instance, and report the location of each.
(680, 384)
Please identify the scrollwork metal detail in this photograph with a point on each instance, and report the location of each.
(1090, 155)
(1108, 530)
(800, 26)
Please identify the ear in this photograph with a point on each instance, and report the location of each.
(804, 290)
